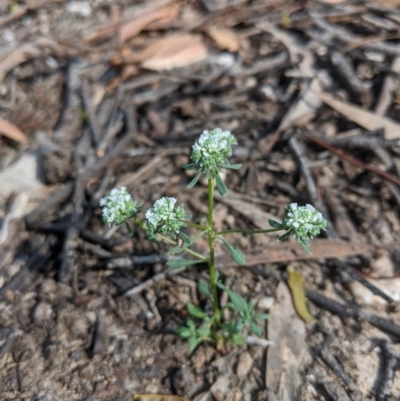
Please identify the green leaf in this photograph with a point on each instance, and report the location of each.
(177, 264)
(238, 302)
(194, 181)
(204, 288)
(191, 325)
(274, 224)
(151, 237)
(204, 331)
(237, 256)
(128, 226)
(238, 339)
(305, 245)
(180, 249)
(175, 250)
(231, 166)
(185, 238)
(193, 343)
(261, 316)
(255, 328)
(250, 305)
(189, 166)
(183, 331)
(222, 189)
(196, 311)
(284, 236)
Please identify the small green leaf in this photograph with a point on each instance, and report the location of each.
(204, 331)
(231, 166)
(238, 339)
(305, 245)
(180, 249)
(177, 264)
(189, 166)
(237, 256)
(183, 331)
(255, 328)
(222, 189)
(284, 236)
(193, 343)
(190, 323)
(238, 302)
(194, 181)
(175, 250)
(151, 237)
(196, 311)
(261, 316)
(274, 224)
(204, 288)
(185, 238)
(250, 305)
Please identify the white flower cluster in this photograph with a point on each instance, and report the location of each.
(304, 221)
(212, 149)
(164, 217)
(118, 207)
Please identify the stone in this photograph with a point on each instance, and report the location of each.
(244, 364)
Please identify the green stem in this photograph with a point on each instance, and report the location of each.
(194, 225)
(142, 225)
(271, 230)
(211, 262)
(172, 242)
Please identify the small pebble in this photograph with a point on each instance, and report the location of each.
(245, 362)
(79, 7)
(265, 303)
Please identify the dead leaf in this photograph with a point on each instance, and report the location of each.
(364, 118)
(17, 57)
(224, 38)
(11, 131)
(23, 176)
(174, 52)
(136, 25)
(28, 51)
(296, 285)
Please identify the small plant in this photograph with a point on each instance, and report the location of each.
(164, 220)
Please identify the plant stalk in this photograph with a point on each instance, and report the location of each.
(271, 230)
(211, 262)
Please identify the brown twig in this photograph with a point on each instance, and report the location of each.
(346, 156)
(346, 310)
(148, 283)
(91, 115)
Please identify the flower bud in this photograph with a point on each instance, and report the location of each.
(164, 218)
(118, 207)
(304, 221)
